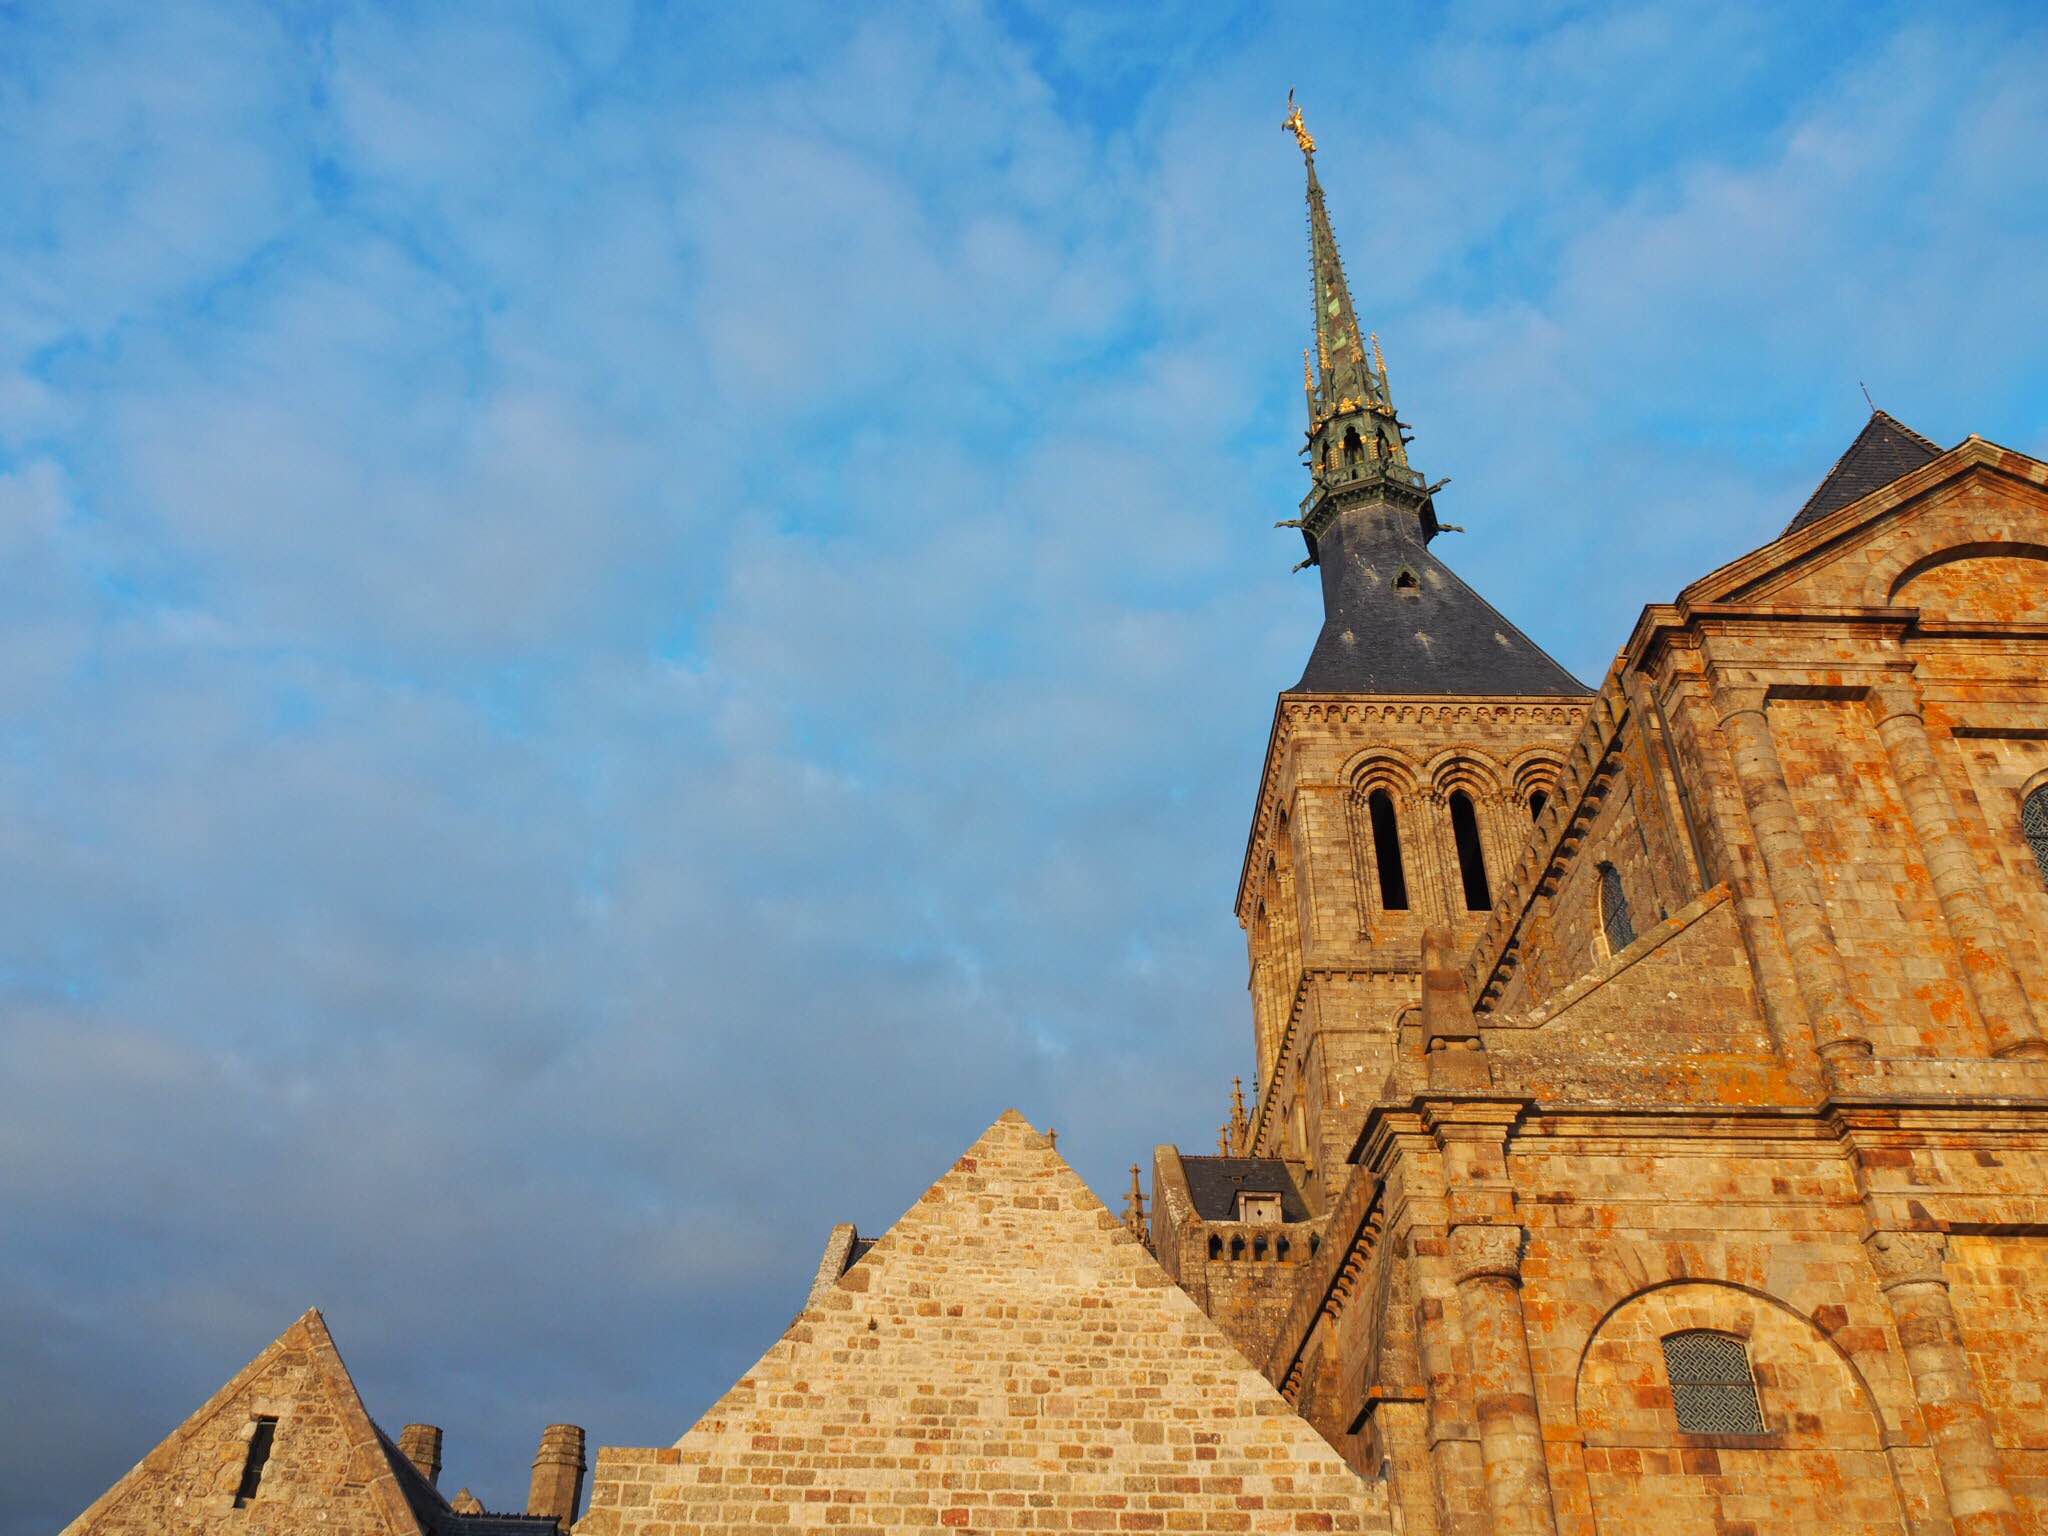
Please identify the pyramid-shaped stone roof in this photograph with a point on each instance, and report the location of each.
(1006, 1358)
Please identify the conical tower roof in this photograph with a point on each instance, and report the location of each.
(1006, 1353)
(1397, 620)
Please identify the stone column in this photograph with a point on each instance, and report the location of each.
(1487, 1262)
(1455, 1468)
(1909, 1271)
(1697, 750)
(1838, 1026)
(1958, 882)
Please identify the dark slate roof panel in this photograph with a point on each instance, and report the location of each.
(1398, 620)
(1885, 449)
(1214, 1183)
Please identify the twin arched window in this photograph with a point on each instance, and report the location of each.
(1386, 851)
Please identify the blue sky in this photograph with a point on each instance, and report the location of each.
(620, 622)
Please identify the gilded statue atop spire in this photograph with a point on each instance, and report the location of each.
(1293, 122)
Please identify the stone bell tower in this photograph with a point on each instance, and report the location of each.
(1403, 767)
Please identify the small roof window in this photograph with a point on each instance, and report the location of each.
(1258, 1205)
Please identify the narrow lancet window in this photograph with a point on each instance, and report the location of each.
(1386, 851)
(1537, 801)
(1614, 918)
(2034, 823)
(1471, 857)
(259, 1457)
(1711, 1386)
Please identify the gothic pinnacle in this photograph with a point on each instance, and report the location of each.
(1356, 446)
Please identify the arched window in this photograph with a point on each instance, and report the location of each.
(1614, 918)
(1537, 801)
(1353, 448)
(1471, 857)
(1386, 851)
(1406, 583)
(2034, 822)
(1711, 1386)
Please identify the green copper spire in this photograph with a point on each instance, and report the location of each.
(1355, 445)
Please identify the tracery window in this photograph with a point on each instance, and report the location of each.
(1614, 919)
(1471, 856)
(2034, 823)
(1386, 851)
(1711, 1385)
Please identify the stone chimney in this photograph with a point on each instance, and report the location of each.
(557, 1474)
(421, 1445)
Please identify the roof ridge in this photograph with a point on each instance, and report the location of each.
(1921, 439)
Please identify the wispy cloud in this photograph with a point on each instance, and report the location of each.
(620, 626)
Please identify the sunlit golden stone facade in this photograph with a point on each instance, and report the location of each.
(1743, 1062)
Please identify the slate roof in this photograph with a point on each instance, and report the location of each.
(1885, 449)
(1398, 620)
(1214, 1182)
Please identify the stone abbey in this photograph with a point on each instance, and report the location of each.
(1651, 1118)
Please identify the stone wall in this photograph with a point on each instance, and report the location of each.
(1804, 1109)
(1006, 1358)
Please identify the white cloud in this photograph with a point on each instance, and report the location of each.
(615, 637)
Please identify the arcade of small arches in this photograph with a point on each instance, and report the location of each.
(1453, 827)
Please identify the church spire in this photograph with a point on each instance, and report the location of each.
(1355, 441)
(1348, 379)
(1395, 618)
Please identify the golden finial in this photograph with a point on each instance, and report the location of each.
(1297, 127)
(1378, 362)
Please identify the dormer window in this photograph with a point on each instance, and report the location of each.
(1253, 1205)
(1407, 583)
